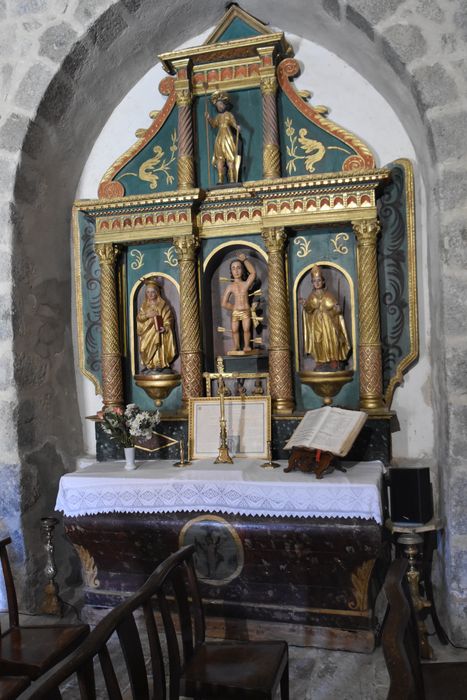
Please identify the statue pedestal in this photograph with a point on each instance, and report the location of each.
(158, 386)
(254, 361)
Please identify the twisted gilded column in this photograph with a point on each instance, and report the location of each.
(190, 324)
(112, 383)
(280, 363)
(371, 370)
(268, 82)
(185, 161)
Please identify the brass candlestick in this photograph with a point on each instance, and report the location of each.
(270, 464)
(183, 462)
(223, 457)
(51, 604)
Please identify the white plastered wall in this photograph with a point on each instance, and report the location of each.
(356, 105)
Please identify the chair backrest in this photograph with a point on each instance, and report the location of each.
(400, 637)
(9, 583)
(182, 613)
(122, 621)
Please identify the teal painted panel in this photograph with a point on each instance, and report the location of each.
(247, 110)
(393, 270)
(335, 247)
(156, 259)
(306, 147)
(154, 169)
(90, 293)
(238, 29)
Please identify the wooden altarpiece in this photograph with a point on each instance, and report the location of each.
(304, 192)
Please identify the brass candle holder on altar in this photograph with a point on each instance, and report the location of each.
(182, 461)
(223, 457)
(270, 464)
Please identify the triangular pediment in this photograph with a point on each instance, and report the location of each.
(237, 24)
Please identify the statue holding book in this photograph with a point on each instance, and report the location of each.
(324, 333)
(154, 327)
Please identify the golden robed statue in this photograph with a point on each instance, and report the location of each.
(324, 332)
(226, 145)
(154, 326)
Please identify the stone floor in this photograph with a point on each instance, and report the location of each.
(316, 674)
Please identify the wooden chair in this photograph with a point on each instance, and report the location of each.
(410, 678)
(213, 669)
(30, 651)
(194, 668)
(119, 658)
(12, 686)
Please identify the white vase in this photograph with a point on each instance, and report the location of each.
(129, 458)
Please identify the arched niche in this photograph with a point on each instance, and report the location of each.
(216, 278)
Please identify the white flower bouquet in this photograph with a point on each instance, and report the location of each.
(125, 425)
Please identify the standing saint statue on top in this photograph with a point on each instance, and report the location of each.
(324, 333)
(154, 327)
(226, 145)
(240, 308)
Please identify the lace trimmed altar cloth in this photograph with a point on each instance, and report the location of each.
(241, 488)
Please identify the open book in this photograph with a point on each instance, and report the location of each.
(329, 429)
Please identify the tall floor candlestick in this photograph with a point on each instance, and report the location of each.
(51, 604)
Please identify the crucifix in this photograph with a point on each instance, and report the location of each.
(223, 457)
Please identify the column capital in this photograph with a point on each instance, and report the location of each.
(182, 81)
(182, 94)
(107, 253)
(274, 238)
(268, 84)
(186, 246)
(366, 231)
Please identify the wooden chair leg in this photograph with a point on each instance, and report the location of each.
(285, 684)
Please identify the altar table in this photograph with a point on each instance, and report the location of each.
(284, 555)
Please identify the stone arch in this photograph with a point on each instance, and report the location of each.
(86, 59)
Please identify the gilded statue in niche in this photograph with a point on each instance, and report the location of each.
(324, 333)
(154, 327)
(226, 144)
(243, 275)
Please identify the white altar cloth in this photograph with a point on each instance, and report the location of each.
(241, 488)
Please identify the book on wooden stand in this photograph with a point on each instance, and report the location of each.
(322, 434)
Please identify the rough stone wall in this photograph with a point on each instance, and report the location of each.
(64, 65)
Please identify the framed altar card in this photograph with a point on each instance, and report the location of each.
(248, 426)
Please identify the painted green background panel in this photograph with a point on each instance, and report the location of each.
(393, 273)
(163, 166)
(237, 29)
(90, 292)
(293, 162)
(247, 110)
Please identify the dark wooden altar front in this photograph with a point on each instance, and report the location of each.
(312, 581)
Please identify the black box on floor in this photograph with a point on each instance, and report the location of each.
(410, 494)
